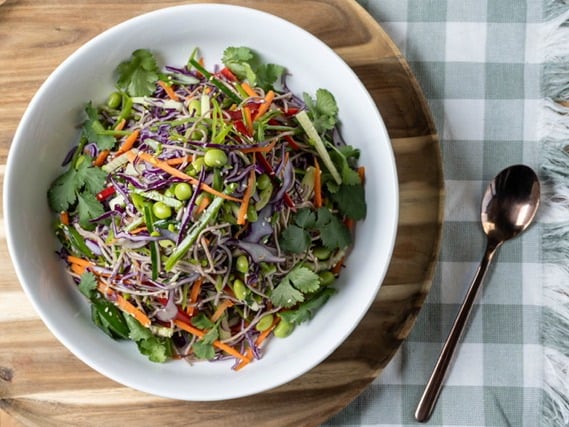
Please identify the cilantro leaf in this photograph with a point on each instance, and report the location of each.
(305, 218)
(285, 295)
(92, 130)
(138, 75)
(91, 176)
(87, 284)
(62, 192)
(246, 65)
(294, 239)
(304, 279)
(350, 200)
(88, 207)
(307, 309)
(158, 349)
(137, 331)
(323, 110)
(202, 321)
(203, 350)
(333, 233)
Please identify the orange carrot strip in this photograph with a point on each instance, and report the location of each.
(264, 149)
(139, 229)
(338, 267)
(169, 91)
(64, 217)
(248, 89)
(128, 142)
(101, 158)
(131, 156)
(78, 269)
(79, 261)
(260, 339)
(179, 160)
(362, 174)
(221, 309)
(248, 119)
(120, 125)
(242, 216)
(317, 185)
(204, 203)
(199, 333)
(194, 293)
(266, 104)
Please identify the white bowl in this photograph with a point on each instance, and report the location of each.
(49, 128)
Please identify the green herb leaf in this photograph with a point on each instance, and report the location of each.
(305, 218)
(202, 321)
(158, 349)
(246, 65)
(294, 239)
(138, 75)
(333, 233)
(323, 110)
(307, 309)
(109, 318)
(203, 350)
(87, 284)
(89, 207)
(350, 200)
(92, 177)
(285, 295)
(137, 330)
(62, 193)
(304, 279)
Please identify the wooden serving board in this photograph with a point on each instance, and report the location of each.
(43, 384)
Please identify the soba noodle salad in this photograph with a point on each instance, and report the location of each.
(204, 212)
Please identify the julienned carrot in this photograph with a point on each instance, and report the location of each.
(78, 269)
(101, 158)
(194, 293)
(132, 155)
(259, 341)
(199, 333)
(64, 217)
(169, 91)
(362, 173)
(124, 305)
(317, 185)
(248, 89)
(263, 149)
(242, 216)
(128, 143)
(120, 125)
(248, 118)
(79, 261)
(266, 104)
(179, 160)
(221, 309)
(338, 267)
(204, 203)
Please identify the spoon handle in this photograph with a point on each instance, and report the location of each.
(433, 387)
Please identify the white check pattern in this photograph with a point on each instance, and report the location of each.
(479, 63)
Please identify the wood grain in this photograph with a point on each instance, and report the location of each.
(43, 384)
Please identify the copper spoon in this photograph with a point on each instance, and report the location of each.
(508, 208)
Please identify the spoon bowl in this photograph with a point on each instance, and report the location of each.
(508, 207)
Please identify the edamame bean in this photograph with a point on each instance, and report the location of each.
(161, 210)
(263, 181)
(195, 167)
(322, 253)
(326, 278)
(242, 264)
(114, 100)
(239, 289)
(183, 191)
(264, 322)
(252, 213)
(283, 329)
(214, 157)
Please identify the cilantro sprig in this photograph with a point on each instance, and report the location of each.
(247, 65)
(293, 287)
(138, 75)
(297, 237)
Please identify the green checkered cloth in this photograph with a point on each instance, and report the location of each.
(488, 69)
